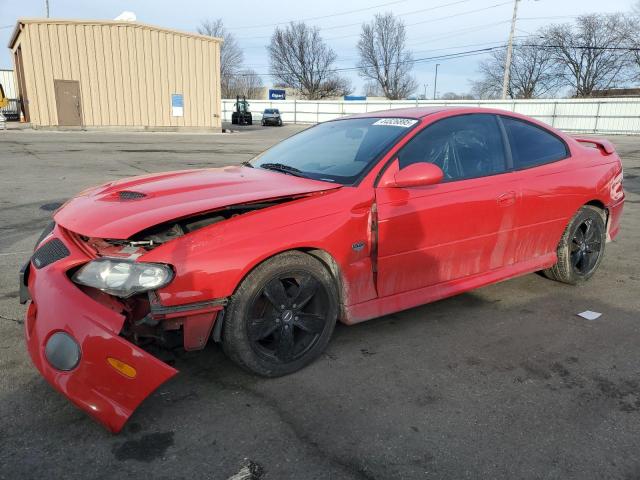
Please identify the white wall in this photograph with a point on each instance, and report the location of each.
(8, 83)
(601, 115)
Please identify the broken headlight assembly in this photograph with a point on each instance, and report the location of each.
(123, 278)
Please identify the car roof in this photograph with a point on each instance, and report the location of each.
(410, 112)
(421, 112)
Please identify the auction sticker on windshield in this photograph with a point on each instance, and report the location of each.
(396, 122)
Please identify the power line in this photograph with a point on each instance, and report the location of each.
(582, 47)
(549, 18)
(414, 12)
(449, 56)
(352, 59)
(347, 12)
(435, 38)
(432, 20)
(456, 33)
(498, 42)
(471, 53)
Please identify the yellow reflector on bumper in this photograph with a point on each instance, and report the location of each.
(125, 369)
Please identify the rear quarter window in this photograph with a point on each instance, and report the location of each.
(532, 145)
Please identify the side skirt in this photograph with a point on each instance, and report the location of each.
(402, 301)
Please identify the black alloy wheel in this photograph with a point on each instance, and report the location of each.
(287, 317)
(586, 246)
(282, 315)
(581, 247)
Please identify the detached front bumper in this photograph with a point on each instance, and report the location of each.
(96, 385)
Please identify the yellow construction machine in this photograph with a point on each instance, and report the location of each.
(4, 101)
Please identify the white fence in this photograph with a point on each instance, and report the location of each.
(602, 115)
(7, 82)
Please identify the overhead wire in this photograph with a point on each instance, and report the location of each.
(337, 14)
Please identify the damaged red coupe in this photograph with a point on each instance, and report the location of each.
(348, 220)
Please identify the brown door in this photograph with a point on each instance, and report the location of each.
(68, 102)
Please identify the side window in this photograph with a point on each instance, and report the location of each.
(464, 146)
(532, 145)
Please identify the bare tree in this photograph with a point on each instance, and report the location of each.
(372, 89)
(634, 41)
(384, 57)
(300, 59)
(458, 96)
(534, 72)
(231, 55)
(246, 82)
(593, 53)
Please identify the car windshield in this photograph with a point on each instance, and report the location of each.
(271, 110)
(337, 151)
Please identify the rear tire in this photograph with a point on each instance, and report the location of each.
(282, 315)
(581, 247)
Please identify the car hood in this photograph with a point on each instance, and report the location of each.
(125, 207)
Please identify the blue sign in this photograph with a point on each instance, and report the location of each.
(277, 94)
(355, 97)
(177, 105)
(177, 100)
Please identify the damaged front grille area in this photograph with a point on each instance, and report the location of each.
(50, 252)
(165, 232)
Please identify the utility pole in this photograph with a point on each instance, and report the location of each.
(46, 7)
(507, 63)
(424, 96)
(435, 81)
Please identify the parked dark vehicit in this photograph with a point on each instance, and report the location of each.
(345, 221)
(271, 116)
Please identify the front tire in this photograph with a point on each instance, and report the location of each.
(581, 247)
(282, 315)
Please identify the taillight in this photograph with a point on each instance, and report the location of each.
(616, 192)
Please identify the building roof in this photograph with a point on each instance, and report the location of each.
(24, 21)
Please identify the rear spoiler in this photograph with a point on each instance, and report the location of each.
(600, 143)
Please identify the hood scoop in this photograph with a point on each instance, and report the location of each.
(125, 207)
(127, 195)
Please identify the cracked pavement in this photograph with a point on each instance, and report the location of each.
(502, 382)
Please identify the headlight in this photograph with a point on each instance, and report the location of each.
(123, 278)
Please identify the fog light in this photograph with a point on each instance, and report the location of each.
(62, 351)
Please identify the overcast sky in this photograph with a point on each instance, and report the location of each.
(434, 27)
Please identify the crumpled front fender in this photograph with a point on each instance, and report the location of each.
(94, 385)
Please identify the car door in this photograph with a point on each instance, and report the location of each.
(546, 184)
(460, 227)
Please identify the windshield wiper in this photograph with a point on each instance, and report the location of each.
(281, 167)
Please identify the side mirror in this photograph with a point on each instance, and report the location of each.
(418, 175)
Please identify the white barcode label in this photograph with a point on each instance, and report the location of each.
(396, 122)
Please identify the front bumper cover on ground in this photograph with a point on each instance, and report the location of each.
(94, 385)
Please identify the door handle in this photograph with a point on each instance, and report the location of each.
(507, 199)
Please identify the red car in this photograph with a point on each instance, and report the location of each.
(348, 220)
